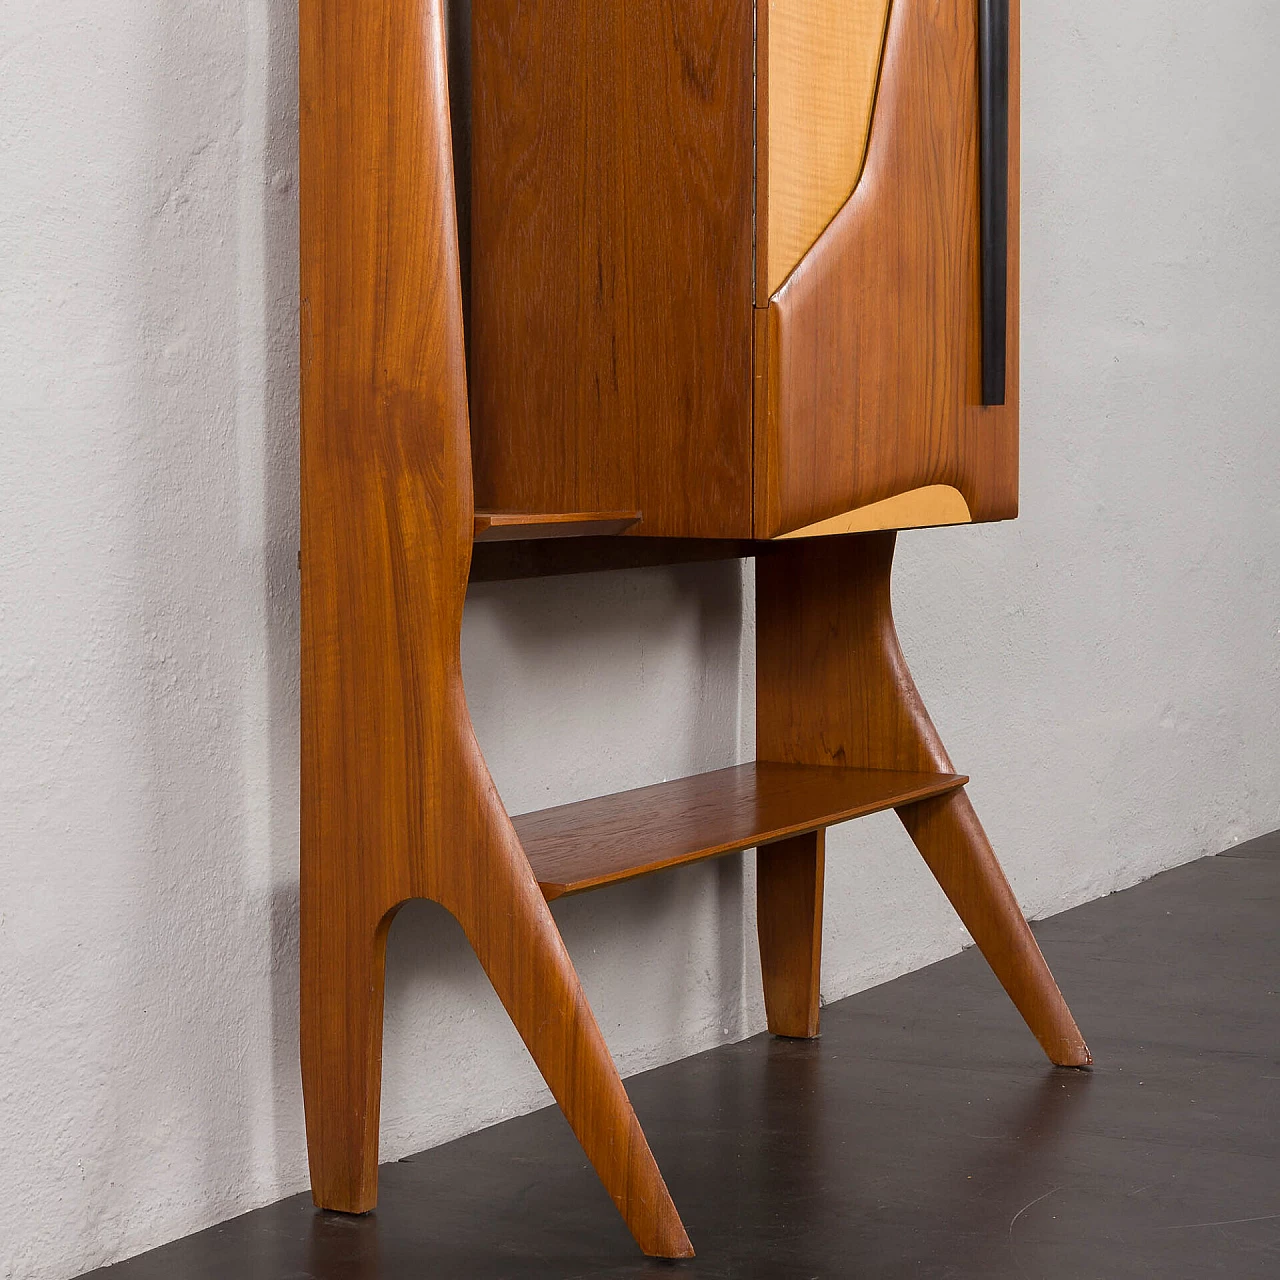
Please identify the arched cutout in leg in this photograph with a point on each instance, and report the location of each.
(396, 799)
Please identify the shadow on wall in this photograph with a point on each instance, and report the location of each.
(278, 176)
(581, 686)
(578, 686)
(203, 1094)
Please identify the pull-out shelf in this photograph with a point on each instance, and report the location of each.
(575, 847)
(512, 526)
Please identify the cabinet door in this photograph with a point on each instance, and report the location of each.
(870, 342)
(611, 215)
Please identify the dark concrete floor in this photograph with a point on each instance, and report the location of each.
(922, 1136)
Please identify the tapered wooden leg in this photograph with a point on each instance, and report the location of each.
(516, 939)
(951, 839)
(341, 1042)
(789, 877)
(397, 801)
(833, 688)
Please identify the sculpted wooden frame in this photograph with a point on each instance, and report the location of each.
(397, 801)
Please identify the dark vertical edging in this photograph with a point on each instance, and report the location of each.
(993, 126)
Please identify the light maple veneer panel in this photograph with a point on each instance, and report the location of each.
(819, 61)
(935, 504)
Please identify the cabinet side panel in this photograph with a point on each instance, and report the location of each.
(611, 260)
(874, 355)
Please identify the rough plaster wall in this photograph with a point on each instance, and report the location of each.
(1106, 667)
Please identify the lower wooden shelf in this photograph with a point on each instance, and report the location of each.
(575, 847)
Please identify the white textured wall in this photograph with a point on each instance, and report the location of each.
(1106, 667)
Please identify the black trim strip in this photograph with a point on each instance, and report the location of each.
(993, 144)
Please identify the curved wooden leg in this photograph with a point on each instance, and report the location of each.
(789, 876)
(396, 799)
(510, 926)
(341, 1043)
(951, 840)
(832, 687)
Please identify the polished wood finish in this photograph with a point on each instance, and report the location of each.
(397, 801)
(789, 879)
(832, 688)
(613, 340)
(575, 847)
(868, 361)
(612, 170)
(510, 526)
(936, 504)
(618, 359)
(817, 62)
(953, 844)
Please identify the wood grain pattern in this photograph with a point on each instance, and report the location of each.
(611, 290)
(818, 62)
(868, 361)
(935, 504)
(575, 847)
(507, 526)
(832, 688)
(789, 880)
(396, 799)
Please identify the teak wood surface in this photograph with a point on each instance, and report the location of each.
(397, 801)
(868, 361)
(581, 846)
(611, 213)
(789, 881)
(832, 688)
(509, 526)
(627, 353)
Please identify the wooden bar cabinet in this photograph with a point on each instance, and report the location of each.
(743, 281)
